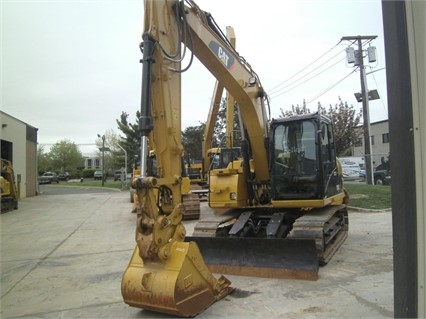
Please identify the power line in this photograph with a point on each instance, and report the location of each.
(297, 73)
(330, 87)
(377, 88)
(300, 78)
(312, 77)
(273, 94)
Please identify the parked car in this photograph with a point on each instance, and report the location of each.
(97, 175)
(64, 176)
(118, 174)
(48, 178)
(381, 177)
(388, 180)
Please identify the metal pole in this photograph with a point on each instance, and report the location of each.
(125, 162)
(103, 160)
(144, 156)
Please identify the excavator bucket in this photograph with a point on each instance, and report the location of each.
(181, 286)
(260, 257)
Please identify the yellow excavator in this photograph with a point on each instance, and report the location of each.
(9, 193)
(280, 204)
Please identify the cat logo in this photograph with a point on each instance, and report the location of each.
(222, 54)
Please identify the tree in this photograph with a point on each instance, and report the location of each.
(296, 110)
(43, 160)
(192, 137)
(65, 156)
(345, 120)
(132, 136)
(114, 157)
(220, 127)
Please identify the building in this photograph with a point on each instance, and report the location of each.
(379, 135)
(92, 162)
(19, 145)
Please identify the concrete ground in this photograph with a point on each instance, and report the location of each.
(62, 256)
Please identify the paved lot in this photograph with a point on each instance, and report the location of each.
(64, 189)
(63, 256)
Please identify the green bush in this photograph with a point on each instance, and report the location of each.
(88, 172)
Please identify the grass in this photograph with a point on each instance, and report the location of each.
(369, 196)
(361, 195)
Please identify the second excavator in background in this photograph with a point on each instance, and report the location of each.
(9, 191)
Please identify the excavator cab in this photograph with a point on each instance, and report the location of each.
(303, 162)
(222, 157)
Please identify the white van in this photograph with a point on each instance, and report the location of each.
(350, 170)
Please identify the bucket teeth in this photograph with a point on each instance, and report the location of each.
(223, 288)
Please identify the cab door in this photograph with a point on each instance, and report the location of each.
(331, 181)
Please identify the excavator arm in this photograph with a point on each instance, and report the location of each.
(165, 273)
(168, 25)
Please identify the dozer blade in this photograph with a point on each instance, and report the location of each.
(181, 286)
(260, 257)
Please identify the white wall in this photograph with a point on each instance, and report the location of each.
(15, 131)
(416, 26)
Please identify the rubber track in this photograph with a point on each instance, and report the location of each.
(312, 226)
(309, 226)
(191, 202)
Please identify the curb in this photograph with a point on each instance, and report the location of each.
(369, 210)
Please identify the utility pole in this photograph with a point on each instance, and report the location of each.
(365, 107)
(103, 160)
(125, 165)
(103, 149)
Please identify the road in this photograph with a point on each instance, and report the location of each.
(68, 190)
(63, 256)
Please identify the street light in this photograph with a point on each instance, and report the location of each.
(103, 158)
(125, 162)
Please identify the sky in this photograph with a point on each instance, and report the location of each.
(71, 67)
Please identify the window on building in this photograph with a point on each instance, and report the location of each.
(89, 162)
(372, 140)
(97, 162)
(385, 138)
(358, 142)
